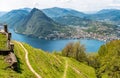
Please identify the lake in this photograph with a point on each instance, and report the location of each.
(56, 45)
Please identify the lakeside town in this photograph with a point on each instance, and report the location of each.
(79, 33)
(91, 35)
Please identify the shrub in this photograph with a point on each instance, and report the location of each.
(75, 50)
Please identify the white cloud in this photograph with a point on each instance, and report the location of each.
(116, 1)
(81, 5)
(63, 0)
(115, 4)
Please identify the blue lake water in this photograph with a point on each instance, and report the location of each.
(56, 45)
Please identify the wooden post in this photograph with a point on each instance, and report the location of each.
(8, 44)
(12, 47)
(5, 28)
(9, 36)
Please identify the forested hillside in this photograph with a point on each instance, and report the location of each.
(109, 59)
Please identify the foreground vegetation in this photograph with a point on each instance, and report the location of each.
(45, 64)
(73, 62)
(54, 65)
(106, 62)
(109, 60)
(23, 70)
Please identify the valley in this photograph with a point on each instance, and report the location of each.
(60, 42)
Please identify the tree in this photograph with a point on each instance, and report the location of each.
(75, 50)
(79, 51)
(67, 50)
(109, 55)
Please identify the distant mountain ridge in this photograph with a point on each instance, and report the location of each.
(57, 12)
(13, 17)
(106, 11)
(69, 20)
(112, 15)
(106, 15)
(27, 9)
(2, 13)
(72, 20)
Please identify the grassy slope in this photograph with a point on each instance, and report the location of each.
(52, 66)
(46, 64)
(23, 70)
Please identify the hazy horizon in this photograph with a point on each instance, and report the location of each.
(80, 5)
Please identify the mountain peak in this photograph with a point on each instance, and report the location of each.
(35, 9)
(37, 24)
(56, 8)
(38, 13)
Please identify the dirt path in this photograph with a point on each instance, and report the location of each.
(65, 70)
(27, 61)
(37, 75)
(77, 71)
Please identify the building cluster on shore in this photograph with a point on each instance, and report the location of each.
(82, 34)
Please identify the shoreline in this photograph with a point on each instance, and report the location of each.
(63, 38)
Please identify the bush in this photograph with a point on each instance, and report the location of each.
(93, 60)
(75, 50)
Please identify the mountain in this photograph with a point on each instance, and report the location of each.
(103, 11)
(37, 24)
(107, 15)
(2, 13)
(57, 12)
(82, 22)
(26, 9)
(13, 17)
(72, 20)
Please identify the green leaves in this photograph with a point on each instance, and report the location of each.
(110, 59)
(75, 50)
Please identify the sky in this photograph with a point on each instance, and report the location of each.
(80, 5)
